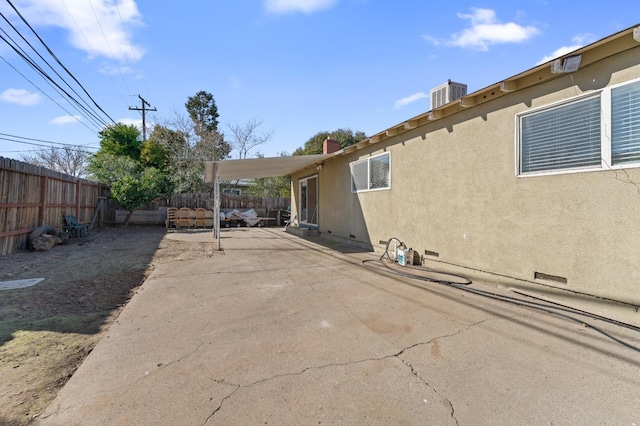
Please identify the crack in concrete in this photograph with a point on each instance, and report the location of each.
(224, 382)
(344, 364)
(425, 382)
(419, 377)
(182, 358)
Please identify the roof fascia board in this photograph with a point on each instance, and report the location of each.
(539, 74)
(609, 46)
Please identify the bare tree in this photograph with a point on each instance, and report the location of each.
(189, 150)
(182, 123)
(68, 160)
(245, 137)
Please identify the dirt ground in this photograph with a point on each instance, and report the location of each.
(48, 329)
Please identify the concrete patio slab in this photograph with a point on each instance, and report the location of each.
(282, 330)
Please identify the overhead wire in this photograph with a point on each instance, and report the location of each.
(41, 140)
(74, 102)
(49, 97)
(60, 62)
(25, 56)
(106, 40)
(133, 53)
(91, 47)
(65, 146)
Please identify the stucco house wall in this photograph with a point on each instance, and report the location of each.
(455, 191)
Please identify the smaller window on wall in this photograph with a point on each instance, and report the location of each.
(371, 174)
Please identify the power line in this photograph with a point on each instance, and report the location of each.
(106, 40)
(45, 94)
(43, 73)
(91, 47)
(59, 62)
(66, 146)
(91, 116)
(36, 140)
(133, 53)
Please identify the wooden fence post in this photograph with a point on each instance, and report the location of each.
(78, 200)
(43, 207)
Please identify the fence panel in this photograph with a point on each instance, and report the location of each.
(32, 196)
(155, 213)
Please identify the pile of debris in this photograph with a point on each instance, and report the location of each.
(45, 237)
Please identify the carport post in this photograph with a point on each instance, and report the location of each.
(216, 206)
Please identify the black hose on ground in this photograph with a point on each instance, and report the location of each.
(542, 307)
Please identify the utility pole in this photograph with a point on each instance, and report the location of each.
(144, 112)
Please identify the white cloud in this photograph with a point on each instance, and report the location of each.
(486, 30)
(107, 69)
(433, 40)
(135, 121)
(96, 27)
(66, 119)
(409, 99)
(304, 6)
(20, 97)
(579, 41)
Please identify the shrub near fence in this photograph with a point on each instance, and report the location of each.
(32, 196)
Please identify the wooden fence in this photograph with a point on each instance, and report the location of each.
(32, 196)
(156, 212)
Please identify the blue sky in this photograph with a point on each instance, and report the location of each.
(297, 66)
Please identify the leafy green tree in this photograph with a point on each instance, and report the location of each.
(345, 137)
(203, 111)
(175, 141)
(175, 145)
(196, 139)
(186, 153)
(136, 173)
(135, 190)
(154, 154)
(270, 187)
(108, 168)
(121, 139)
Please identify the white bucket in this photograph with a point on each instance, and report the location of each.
(405, 257)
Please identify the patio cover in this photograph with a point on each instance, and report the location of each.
(215, 171)
(261, 167)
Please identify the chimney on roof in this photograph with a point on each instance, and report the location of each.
(329, 146)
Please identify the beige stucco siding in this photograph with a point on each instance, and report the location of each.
(454, 191)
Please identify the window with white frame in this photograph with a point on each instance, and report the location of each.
(625, 124)
(373, 173)
(590, 132)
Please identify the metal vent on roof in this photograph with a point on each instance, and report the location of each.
(447, 92)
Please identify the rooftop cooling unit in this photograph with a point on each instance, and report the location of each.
(447, 92)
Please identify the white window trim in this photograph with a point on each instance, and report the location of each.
(605, 134)
(368, 160)
(316, 212)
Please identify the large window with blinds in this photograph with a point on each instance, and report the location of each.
(373, 173)
(625, 124)
(597, 131)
